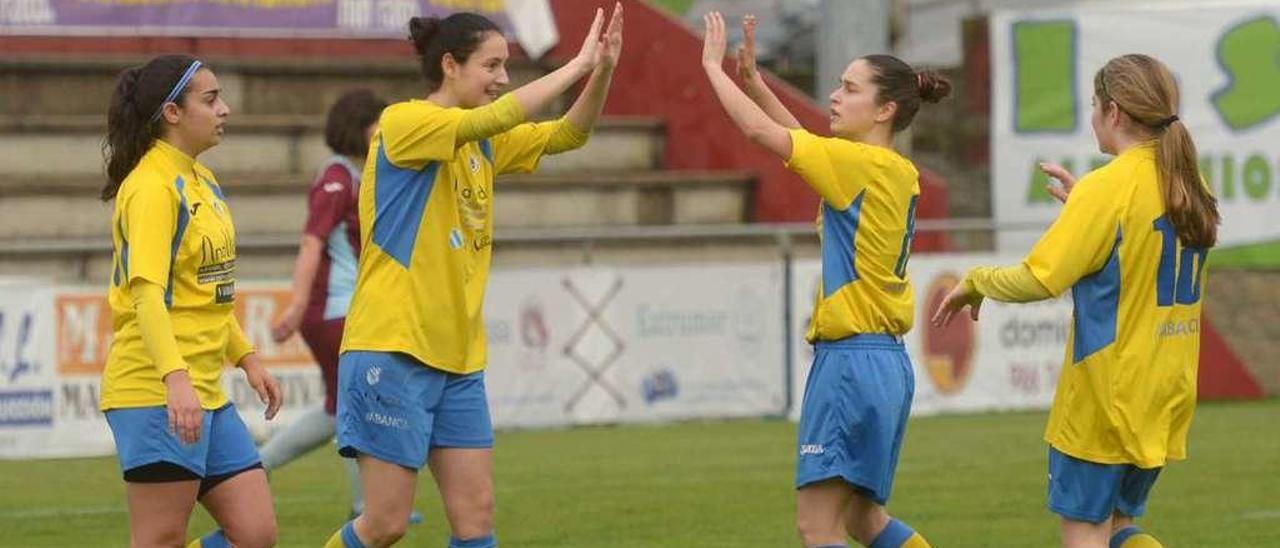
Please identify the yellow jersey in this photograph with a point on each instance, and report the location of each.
(865, 223)
(1128, 385)
(171, 226)
(426, 230)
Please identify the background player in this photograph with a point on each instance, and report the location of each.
(324, 278)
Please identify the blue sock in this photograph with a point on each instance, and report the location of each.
(487, 541)
(214, 540)
(893, 535)
(1117, 539)
(349, 538)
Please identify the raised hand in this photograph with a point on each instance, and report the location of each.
(611, 42)
(1063, 176)
(747, 51)
(713, 41)
(589, 55)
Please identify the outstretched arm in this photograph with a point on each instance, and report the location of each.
(586, 109)
(753, 82)
(748, 116)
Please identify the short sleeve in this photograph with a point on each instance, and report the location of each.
(149, 224)
(416, 133)
(330, 199)
(837, 169)
(1080, 240)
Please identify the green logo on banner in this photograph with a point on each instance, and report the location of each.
(1250, 54)
(1044, 76)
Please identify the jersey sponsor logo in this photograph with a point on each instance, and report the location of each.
(215, 273)
(1178, 328)
(812, 449)
(225, 293)
(195, 208)
(373, 375)
(948, 351)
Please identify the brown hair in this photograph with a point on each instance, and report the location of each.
(900, 83)
(1144, 90)
(132, 125)
(349, 117)
(458, 35)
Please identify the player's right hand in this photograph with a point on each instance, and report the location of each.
(185, 415)
(1063, 176)
(287, 323)
(589, 56)
(747, 51)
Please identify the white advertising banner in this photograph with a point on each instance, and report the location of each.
(1223, 55)
(585, 346)
(600, 345)
(26, 368)
(1007, 360)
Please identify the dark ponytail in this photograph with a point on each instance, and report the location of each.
(131, 124)
(459, 35)
(901, 84)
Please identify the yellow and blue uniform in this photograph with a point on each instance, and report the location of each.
(859, 390)
(172, 300)
(426, 223)
(1128, 385)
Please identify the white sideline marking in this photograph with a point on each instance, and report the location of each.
(1263, 514)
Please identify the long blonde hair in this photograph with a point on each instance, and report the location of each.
(1145, 90)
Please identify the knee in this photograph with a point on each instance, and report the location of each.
(256, 535)
(866, 522)
(475, 518)
(382, 530)
(816, 532)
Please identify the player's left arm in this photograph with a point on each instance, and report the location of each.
(745, 113)
(242, 353)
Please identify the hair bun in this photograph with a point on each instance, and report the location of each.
(422, 30)
(933, 86)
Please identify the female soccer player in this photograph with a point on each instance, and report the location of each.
(411, 379)
(172, 297)
(859, 390)
(324, 277)
(1131, 244)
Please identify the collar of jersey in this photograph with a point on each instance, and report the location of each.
(1142, 149)
(171, 154)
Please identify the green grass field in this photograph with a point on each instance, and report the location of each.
(963, 481)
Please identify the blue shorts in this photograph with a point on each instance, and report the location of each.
(394, 408)
(142, 437)
(854, 413)
(1092, 492)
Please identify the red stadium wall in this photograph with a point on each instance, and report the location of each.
(661, 75)
(1222, 375)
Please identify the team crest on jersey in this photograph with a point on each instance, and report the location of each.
(455, 239)
(373, 375)
(475, 165)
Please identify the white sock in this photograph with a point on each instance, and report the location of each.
(313, 429)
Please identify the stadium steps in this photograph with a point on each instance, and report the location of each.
(70, 145)
(275, 203)
(301, 86)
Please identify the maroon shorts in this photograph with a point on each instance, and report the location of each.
(324, 338)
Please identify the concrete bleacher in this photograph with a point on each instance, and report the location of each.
(52, 123)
